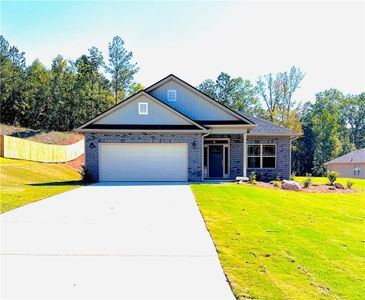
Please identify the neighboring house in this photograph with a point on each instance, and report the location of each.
(349, 165)
(173, 132)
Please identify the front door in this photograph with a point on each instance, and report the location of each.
(215, 161)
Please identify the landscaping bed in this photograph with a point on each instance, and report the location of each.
(313, 188)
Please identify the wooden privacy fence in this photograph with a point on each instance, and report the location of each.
(12, 147)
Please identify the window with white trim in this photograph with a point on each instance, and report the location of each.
(171, 95)
(143, 108)
(261, 156)
(356, 170)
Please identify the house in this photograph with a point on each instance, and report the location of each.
(350, 165)
(173, 132)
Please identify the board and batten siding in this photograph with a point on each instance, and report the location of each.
(157, 114)
(190, 104)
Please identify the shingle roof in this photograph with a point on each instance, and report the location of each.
(354, 157)
(266, 127)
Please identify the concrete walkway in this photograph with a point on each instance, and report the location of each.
(123, 241)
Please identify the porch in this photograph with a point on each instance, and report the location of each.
(223, 156)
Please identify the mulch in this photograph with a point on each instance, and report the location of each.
(314, 188)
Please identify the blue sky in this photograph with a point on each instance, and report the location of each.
(197, 40)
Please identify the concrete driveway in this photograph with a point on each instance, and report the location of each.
(125, 241)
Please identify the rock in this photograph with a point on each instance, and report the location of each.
(339, 186)
(291, 185)
(332, 188)
(244, 179)
(272, 181)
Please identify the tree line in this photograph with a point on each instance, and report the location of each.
(73, 91)
(69, 93)
(332, 125)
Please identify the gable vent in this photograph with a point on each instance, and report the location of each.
(171, 95)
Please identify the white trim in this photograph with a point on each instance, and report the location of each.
(261, 156)
(140, 106)
(225, 145)
(203, 136)
(245, 155)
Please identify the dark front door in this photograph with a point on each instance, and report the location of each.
(215, 161)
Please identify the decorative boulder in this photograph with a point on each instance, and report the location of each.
(291, 185)
(339, 186)
(242, 179)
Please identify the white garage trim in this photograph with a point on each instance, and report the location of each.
(143, 162)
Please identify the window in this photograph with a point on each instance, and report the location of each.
(143, 108)
(268, 156)
(356, 170)
(253, 156)
(261, 156)
(171, 95)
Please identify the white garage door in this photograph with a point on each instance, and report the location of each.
(143, 162)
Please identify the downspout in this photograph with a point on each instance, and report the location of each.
(203, 136)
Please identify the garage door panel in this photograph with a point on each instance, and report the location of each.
(143, 162)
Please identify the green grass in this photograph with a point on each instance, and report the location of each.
(276, 244)
(358, 183)
(23, 182)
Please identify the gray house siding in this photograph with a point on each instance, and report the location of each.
(194, 141)
(282, 157)
(156, 115)
(190, 104)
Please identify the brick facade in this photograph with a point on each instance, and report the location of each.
(282, 157)
(194, 141)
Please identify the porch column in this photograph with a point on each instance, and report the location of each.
(245, 155)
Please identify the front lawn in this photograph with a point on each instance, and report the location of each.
(276, 244)
(23, 182)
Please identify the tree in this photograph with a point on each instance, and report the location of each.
(92, 90)
(353, 110)
(37, 97)
(120, 68)
(277, 94)
(326, 134)
(12, 70)
(236, 93)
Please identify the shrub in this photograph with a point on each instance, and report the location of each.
(254, 181)
(349, 184)
(277, 183)
(252, 176)
(332, 176)
(276, 177)
(308, 180)
(85, 174)
(292, 176)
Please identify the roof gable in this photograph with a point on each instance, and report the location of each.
(192, 102)
(125, 115)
